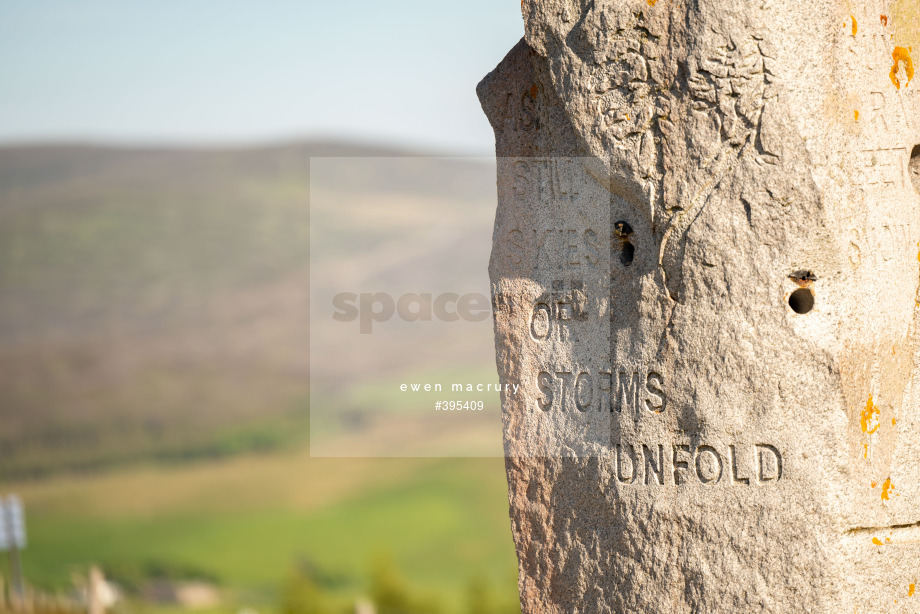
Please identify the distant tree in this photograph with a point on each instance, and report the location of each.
(391, 594)
(479, 597)
(302, 594)
(482, 599)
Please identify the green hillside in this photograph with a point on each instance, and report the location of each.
(155, 378)
(151, 303)
(154, 303)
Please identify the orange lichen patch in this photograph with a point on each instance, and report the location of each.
(884, 19)
(879, 542)
(894, 421)
(853, 19)
(887, 487)
(652, 2)
(865, 450)
(869, 418)
(900, 54)
(874, 484)
(910, 590)
(856, 117)
(533, 94)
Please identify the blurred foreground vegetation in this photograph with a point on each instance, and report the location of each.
(276, 532)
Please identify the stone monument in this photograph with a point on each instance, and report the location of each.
(705, 279)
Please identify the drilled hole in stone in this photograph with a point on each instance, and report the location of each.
(802, 300)
(622, 230)
(626, 253)
(914, 167)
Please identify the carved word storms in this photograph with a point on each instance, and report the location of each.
(625, 389)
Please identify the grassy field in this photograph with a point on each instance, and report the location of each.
(249, 521)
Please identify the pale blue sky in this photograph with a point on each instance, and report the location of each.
(224, 71)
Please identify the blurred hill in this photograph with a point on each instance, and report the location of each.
(154, 302)
(154, 309)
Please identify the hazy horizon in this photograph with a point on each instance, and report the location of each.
(218, 74)
(411, 149)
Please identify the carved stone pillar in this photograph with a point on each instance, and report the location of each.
(705, 279)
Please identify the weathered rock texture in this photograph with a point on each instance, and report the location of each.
(705, 279)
